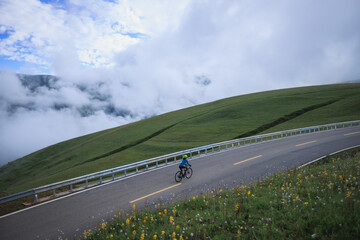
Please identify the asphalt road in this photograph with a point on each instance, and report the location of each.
(69, 216)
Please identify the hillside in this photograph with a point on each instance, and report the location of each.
(212, 122)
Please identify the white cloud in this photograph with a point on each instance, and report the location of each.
(193, 52)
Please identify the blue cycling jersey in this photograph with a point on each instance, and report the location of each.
(184, 161)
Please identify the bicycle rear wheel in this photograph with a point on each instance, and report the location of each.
(189, 173)
(178, 176)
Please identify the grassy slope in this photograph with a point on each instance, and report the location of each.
(319, 201)
(217, 121)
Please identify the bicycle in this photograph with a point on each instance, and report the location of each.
(187, 173)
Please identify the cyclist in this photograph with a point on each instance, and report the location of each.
(183, 164)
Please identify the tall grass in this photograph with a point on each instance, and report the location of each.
(319, 201)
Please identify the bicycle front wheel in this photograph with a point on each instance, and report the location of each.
(189, 173)
(178, 176)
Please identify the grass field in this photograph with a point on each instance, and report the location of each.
(319, 201)
(195, 126)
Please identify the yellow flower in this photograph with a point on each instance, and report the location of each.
(165, 211)
(171, 219)
(348, 194)
(155, 236)
(174, 211)
(181, 237)
(160, 213)
(134, 207)
(297, 198)
(103, 226)
(177, 226)
(236, 207)
(173, 234)
(111, 236)
(127, 221)
(162, 232)
(142, 237)
(152, 218)
(194, 198)
(282, 188)
(134, 232)
(248, 193)
(306, 203)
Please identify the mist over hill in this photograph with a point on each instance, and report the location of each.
(39, 110)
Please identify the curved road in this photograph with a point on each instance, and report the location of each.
(69, 216)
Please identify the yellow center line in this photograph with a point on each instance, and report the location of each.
(248, 160)
(155, 193)
(351, 133)
(305, 143)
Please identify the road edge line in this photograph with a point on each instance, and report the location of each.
(342, 150)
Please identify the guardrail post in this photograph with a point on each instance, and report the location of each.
(113, 177)
(36, 196)
(100, 179)
(125, 172)
(54, 193)
(174, 159)
(226, 146)
(71, 187)
(147, 167)
(157, 164)
(212, 149)
(206, 151)
(86, 183)
(137, 169)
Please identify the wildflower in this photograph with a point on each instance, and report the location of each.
(177, 226)
(162, 232)
(297, 198)
(220, 190)
(194, 198)
(127, 221)
(173, 234)
(181, 237)
(142, 237)
(306, 203)
(239, 234)
(282, 188)
(174, 211)
(155, 236)
(103, 226)
(111, 236)
(152, 218)
(160, 213)
(236, 207)
(134, 207)
(248, 193)
(171, 219)
(348, 194)
(134, 232)
(165, 211)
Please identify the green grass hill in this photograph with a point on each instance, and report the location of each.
(195, 126)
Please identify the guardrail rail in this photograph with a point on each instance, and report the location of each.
(145, 165)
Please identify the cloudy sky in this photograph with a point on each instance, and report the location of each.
(120, 61)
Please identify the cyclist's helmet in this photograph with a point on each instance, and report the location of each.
(185, 156)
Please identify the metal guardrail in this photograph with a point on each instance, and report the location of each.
(133, 168)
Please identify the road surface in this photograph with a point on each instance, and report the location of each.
(69, 216)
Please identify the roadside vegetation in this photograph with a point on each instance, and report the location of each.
(319, 201)
(191, 127)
